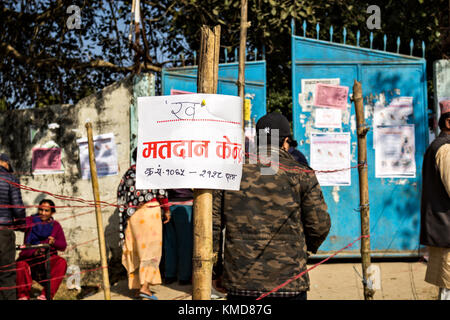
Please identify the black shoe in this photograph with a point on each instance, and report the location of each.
(169, 280)
(184, 282)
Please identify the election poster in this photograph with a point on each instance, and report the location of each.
(396, 113)
(46, 161)
(190, 141)
(306, 97)
(331, 96)
(330, 157)
(105, 152)
(395, 152)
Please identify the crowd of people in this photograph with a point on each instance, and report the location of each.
(263, 233)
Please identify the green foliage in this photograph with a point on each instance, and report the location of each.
(43, 62)
(271, 27)
(3, 104)
(52, 64)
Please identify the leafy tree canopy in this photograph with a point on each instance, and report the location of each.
(44, 62)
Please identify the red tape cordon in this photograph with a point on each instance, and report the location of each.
(314, 266)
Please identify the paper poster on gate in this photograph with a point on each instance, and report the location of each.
(328, 118)
(330, 157)
(395, 152)
(190, 141)
(331, 96)
(396, 113)
(105, 152)
(306, 97)
(176, 91)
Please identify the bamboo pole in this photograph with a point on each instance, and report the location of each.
(362, 130)
(242, 47)
(98, 213)
(202, 258)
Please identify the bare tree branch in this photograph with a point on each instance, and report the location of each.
(72, 63)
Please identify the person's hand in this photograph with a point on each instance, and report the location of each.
(217, 284)
(51, 240)
(166, 217)
(39, 252)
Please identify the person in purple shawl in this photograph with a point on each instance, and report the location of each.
(41, 228)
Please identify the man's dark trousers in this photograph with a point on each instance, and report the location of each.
(7, 264)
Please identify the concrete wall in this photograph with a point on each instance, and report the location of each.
(441, 79)
(108, 111)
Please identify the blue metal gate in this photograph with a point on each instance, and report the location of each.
(185, 79)
(394, 202)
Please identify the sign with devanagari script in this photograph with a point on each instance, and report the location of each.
(189, 141)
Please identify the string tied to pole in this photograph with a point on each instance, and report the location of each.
(363, 206)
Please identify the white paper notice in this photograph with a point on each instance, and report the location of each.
(189, 141)
(306, 97)
(105, 153)
(394, 152)
(331, 151)
(396, 113)
(328, 118)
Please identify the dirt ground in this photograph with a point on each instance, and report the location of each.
(329, 281)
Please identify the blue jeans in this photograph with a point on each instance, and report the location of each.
(178, 243)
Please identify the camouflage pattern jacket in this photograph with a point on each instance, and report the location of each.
(270, 224)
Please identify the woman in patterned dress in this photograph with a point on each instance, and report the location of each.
(140, 216)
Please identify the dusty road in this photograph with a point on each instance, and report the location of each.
(330, 281)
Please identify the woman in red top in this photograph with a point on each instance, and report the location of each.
(141, 232)
(41, 228)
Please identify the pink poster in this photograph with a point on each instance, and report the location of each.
(175, 91)
(46, 159)
(330, 96)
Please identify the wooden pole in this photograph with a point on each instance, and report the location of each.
(202, 259)
(242, 58)
(101, 235)
(362, 130)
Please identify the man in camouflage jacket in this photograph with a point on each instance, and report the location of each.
(271, 226)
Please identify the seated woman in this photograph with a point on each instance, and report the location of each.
(41, 228)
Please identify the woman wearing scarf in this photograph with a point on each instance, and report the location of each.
(141, 232)
(41, 228)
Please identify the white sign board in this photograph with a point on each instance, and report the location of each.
(190, 141)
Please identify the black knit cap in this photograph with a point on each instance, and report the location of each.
(4, 157)
(274, 120)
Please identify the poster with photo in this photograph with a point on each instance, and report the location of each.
(308, 89)
(330, 156)
(46, 161)
(331, 96)
(395, 152)
(105, 152)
